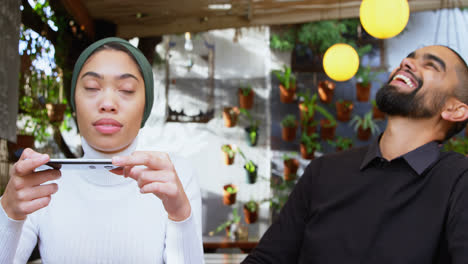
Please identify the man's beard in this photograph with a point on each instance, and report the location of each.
(413, 105)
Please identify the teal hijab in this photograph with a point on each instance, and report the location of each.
(139, 57)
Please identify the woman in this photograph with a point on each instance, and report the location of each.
(150, 215)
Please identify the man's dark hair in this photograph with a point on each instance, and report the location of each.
(461, 93)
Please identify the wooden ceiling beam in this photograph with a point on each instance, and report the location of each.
(80, 13)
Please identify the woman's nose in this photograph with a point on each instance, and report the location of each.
(108, 104)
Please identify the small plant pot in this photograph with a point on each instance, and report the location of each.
(304, 154)
(251, 177)
(363, 92)
(55, 112)
(287, 95)
(246, 101)
(343, 110)
(326, 130)
(309, 130)
(290, 169)
(229, 198)
(251, 141)
(376, 113)
(22, 142)
(326, 89)
(288, 133)
(302, 109)
(250, 217)
(228, 160)
(230, 116)
(363, 134)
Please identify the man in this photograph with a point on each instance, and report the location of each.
(399, 200)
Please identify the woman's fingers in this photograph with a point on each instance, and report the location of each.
(153, 160)
(28, 207)
(35, 178)
(36, 192)
(148, 176)
(161, 189)
(29, 162)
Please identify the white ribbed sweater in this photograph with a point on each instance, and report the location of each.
(99, 217)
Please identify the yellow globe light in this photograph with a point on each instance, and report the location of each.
(341, 62)
(384, 18)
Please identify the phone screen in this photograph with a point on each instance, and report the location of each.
(84, 164)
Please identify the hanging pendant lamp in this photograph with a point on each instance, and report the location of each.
(341, 62)
(384, 18)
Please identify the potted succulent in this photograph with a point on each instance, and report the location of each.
(307, 106)
(291, 165)
(365, 126)
(229, 194)
(327, 125)
(230, 116)
(250, 167)
(251, 131)
(246, 96)
(231, 226)
(228, 154)
(287, 84)
(326, 90)
(309, 127)
(309, 144)
(364, 77)
(341, 143)
(289, 126)
(251, 212)
(376, 113)
(343, 110)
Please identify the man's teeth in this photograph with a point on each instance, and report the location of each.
(405, 79)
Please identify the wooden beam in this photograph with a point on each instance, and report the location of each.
(80, 13)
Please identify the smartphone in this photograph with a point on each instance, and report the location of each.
(83, 164)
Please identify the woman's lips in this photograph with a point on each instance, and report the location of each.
(107, 126)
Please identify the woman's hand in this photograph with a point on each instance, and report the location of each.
(158, 177)
(24, 193)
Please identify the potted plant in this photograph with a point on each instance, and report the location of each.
(230, 116)
(327, 125)
(291, 165)
(457, 145)
(309, 127)
(56, 104)
(287, 84)
(251, 212)
(326, 90)
(230, 226)
(250, 168)
(229, 194)
(289, 126)
(341, 143)
(307, 106)
(246, 96)
(365, 126)
(364, 77)
(376, 113)
(309, 144)
(251, 131)
(228, 154)
(343, 110)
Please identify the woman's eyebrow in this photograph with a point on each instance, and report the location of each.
(119, 77)
(92, 74)
(127, 75)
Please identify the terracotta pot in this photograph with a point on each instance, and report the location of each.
(290, 169)
(327, 131)
(343, 110)
(306, 155)
(55, 112)
(251, 142)
(22, 142)
(326, 90)
(309, 130)
(364, 134)
(287, 96)
(229, 198)
(288, 133)
(303, 108)
(230, 116)
(250, 217)
(251, 177)
(376, 113)
(228, 160)
(363, 92)
(246, 101)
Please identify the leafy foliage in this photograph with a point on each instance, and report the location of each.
(365, 76)
(289, 121)
(283, 42)
(228, 149)
(252, 206)
(249, 164)
(231, 190)
(457, 144)
(234, 220)
(341, 142)
(311, 142)
(327, 115)
(289, 156)
(246, 89)
(365, 122)
(286, 77)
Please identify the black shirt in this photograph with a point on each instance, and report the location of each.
(357, 207)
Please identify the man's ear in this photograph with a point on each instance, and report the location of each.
(455, 111)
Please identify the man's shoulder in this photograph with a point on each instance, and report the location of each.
(453, 161)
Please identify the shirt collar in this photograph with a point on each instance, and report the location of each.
(419, 159)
